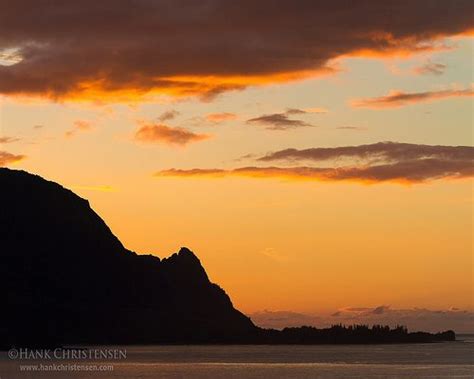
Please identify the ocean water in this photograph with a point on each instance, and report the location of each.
(440, 360)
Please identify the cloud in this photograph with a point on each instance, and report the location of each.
(430, 68)
(168, 115)
(375, 163)
(293, 111)
(396, 99)
(79, 126)
(408, 172)
(8, 139)
(246, 157)
(221, 117)
(8, 158)
(280, 121)
(104, 51)
(9, 57)
(461, 321)
(376, 152)
(160, 133)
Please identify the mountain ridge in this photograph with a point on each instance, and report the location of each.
(61, 259)
(67, 279)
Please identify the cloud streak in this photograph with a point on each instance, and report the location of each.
(104, 51)
(280, 121)
(168, 115)
(160, 133)
(221, 117)
(408, 172)
(376, 152)
(382, 162)
(8, 139)
(79, 127)
(397, 99)
(430, 68)
(7, 159)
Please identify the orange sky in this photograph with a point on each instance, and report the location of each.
(261, 146)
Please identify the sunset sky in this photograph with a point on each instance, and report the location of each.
(315, 155)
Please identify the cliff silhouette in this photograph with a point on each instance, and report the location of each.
(66, 279)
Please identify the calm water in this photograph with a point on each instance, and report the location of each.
(443, 360)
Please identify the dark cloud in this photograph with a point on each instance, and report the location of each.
(430, 68)
(8, 158)
(159, 133)
(282, 121)
(168, 115)
(381, 162)
(396, 99)
(115, 50)
(279, 121)
(410, 172)
(295, 111)
(376, 152)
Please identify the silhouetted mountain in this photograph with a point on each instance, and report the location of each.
(66, 279)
